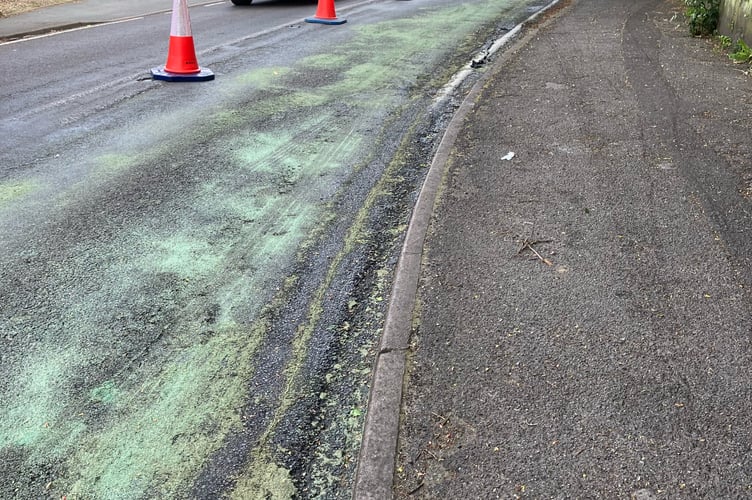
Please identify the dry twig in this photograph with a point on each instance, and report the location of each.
(528, 244)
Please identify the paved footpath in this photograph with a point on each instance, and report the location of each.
(584, 308)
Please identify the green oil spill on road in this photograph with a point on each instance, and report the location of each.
(180, 415)
(111, 164)
(268, 481)
(245, 204)
(39, 383)
(15, 190)
(257, 150)
(390, 54)
(300, 155)
(338, 60)
(307, 99)
(34, 417)
(164, 428)
(106, 393)
(289, 234)
(279, 95)
(264, 78)
(185, 256)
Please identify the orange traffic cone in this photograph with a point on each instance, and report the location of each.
(325, 14)
(181, 65)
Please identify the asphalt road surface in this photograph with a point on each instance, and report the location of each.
(192, 277)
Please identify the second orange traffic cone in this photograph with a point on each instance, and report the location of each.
(325, 14)
(181, 62)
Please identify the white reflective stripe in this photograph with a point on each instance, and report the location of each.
(181, 21)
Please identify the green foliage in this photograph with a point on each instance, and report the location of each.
(742, 52)
(724, 41)
(702, 16)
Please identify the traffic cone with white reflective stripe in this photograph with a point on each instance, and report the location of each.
(181, 65)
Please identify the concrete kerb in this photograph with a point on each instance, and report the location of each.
(375, 474)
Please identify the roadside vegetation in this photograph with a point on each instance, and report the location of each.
(14, 7)
(741, 53)
(737, 51)
(703, 16)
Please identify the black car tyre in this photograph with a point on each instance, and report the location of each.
(242, 2)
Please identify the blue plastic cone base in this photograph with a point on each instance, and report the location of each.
(318, 20)
(202, 76)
